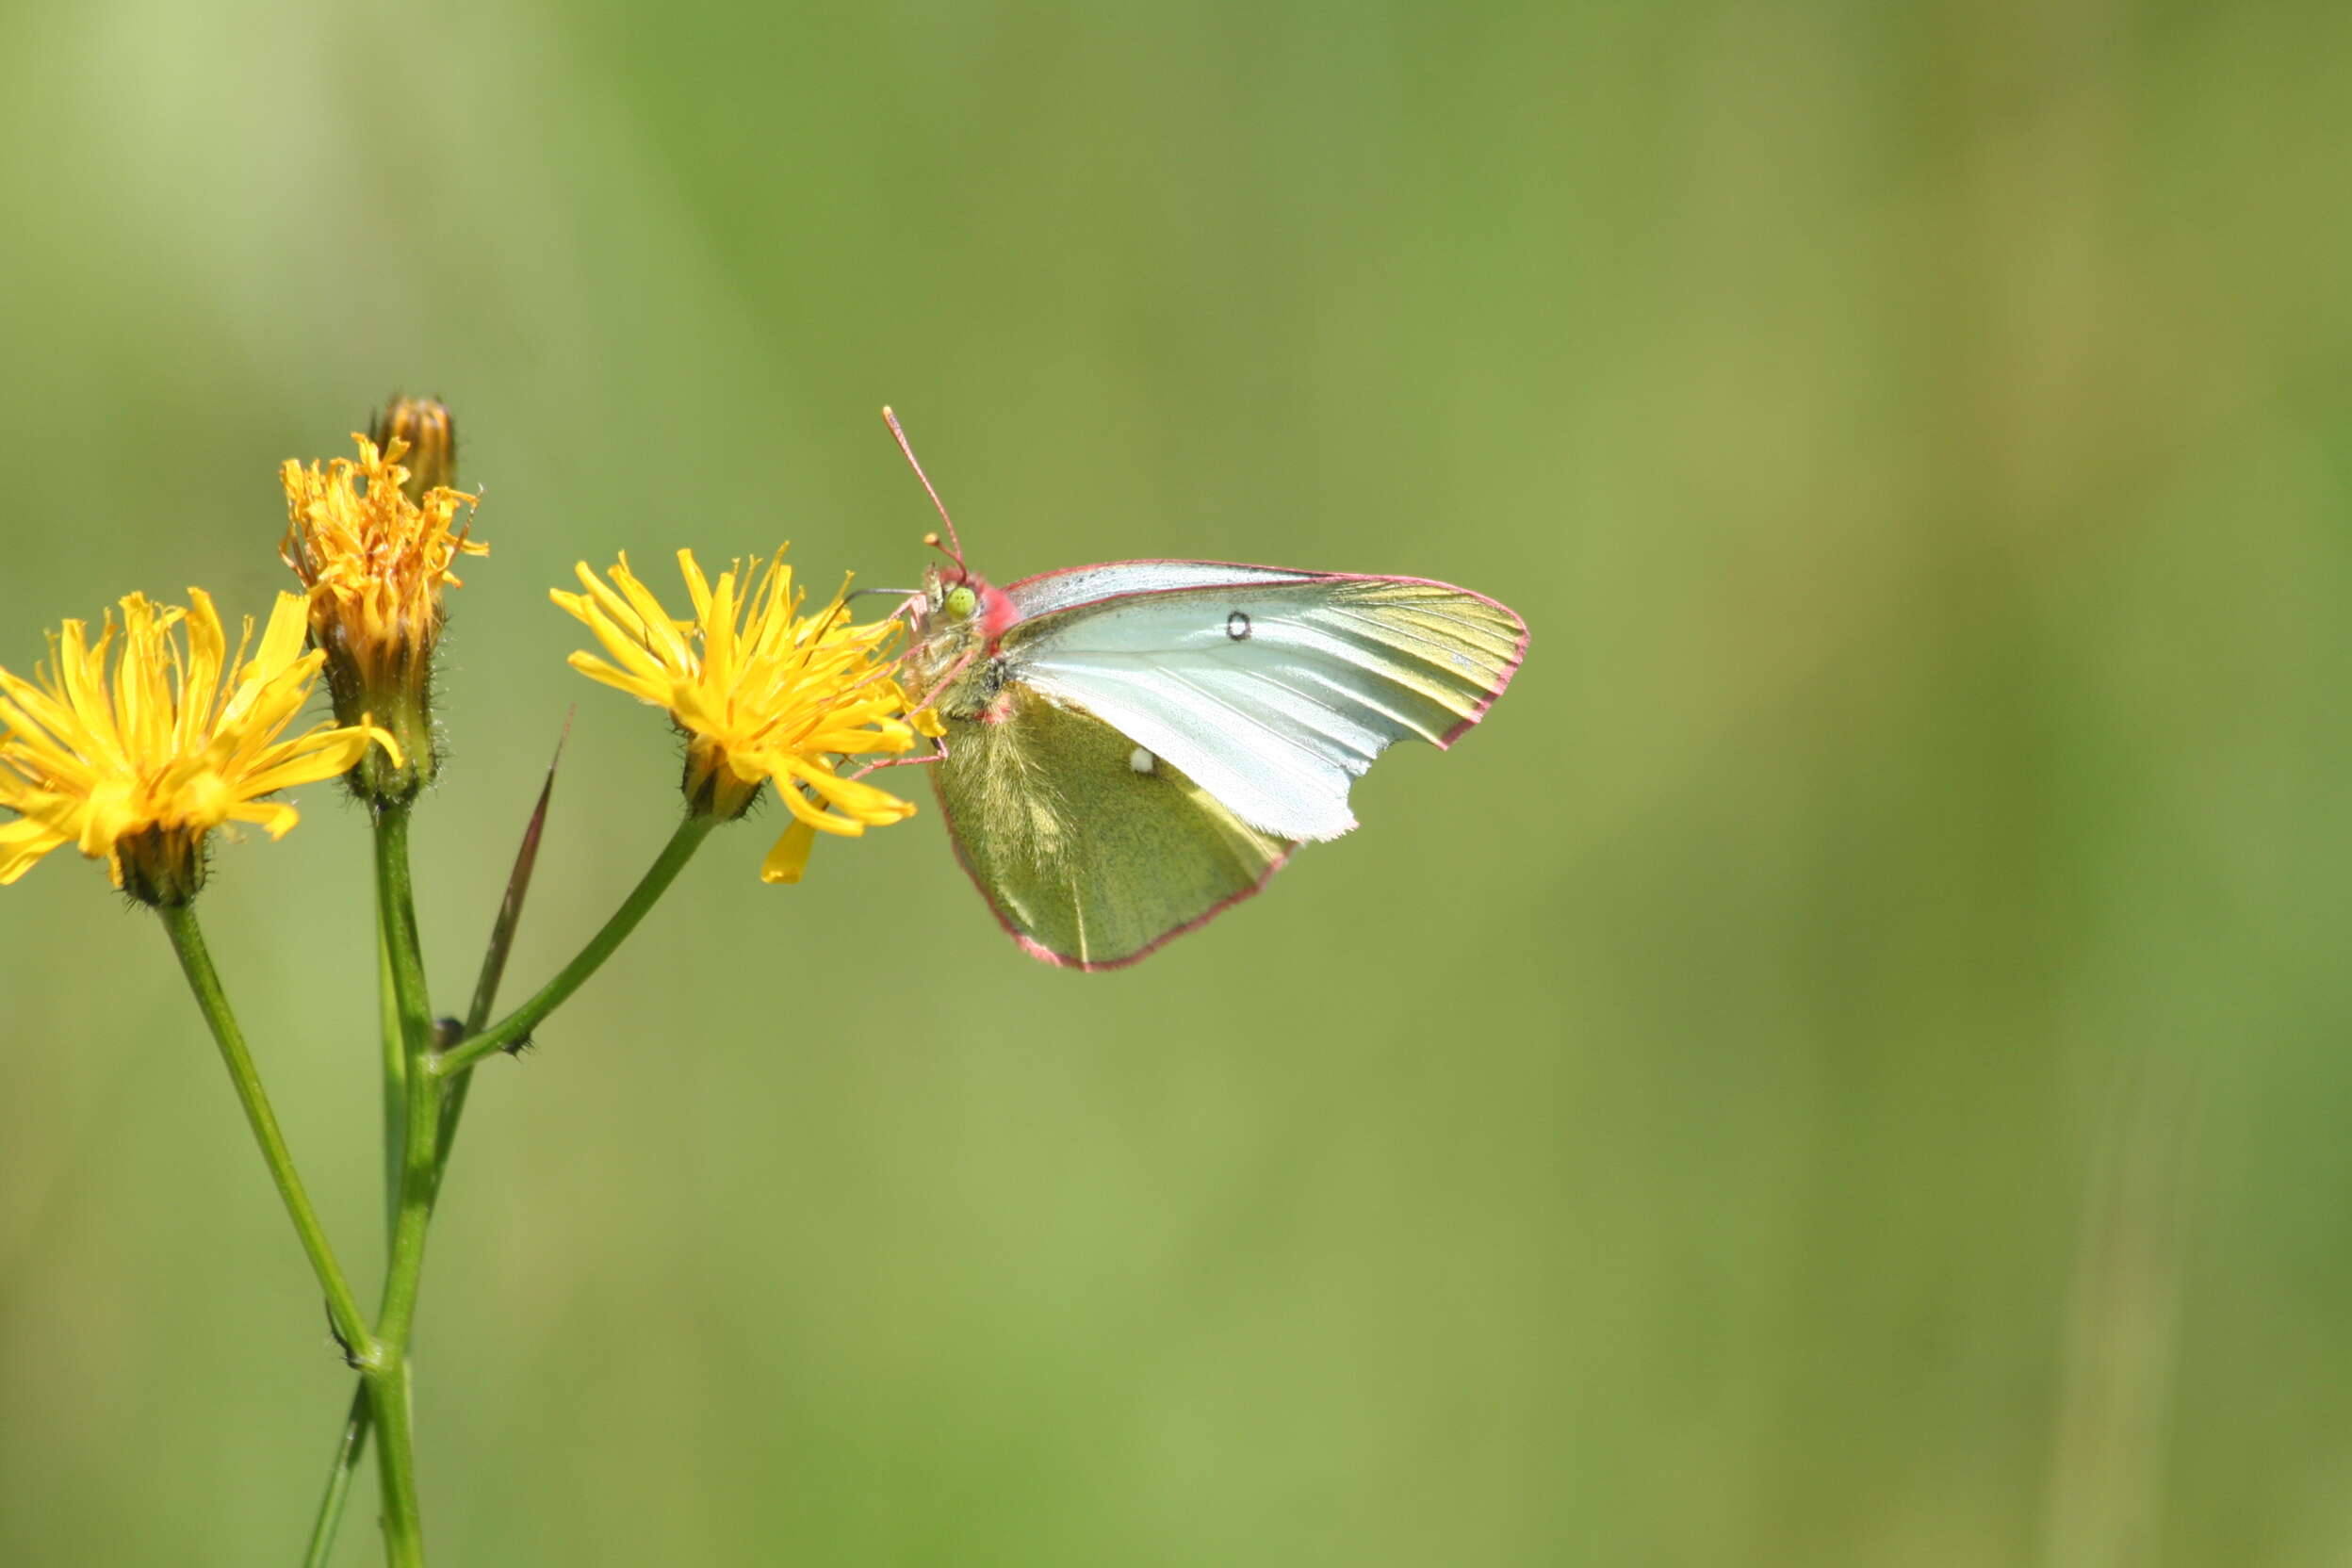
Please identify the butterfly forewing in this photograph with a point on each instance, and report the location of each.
(1273, 690)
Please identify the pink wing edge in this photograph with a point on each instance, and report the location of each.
(1062, 960)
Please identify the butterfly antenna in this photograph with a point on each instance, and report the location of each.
(956, 550)
(907, 599)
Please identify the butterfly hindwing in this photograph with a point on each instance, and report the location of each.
(1090, 849)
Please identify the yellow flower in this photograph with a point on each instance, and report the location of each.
(763, 694)
(374, 563)
(140, 765)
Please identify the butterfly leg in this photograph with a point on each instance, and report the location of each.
(940, 755)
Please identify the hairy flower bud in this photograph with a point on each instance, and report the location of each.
(425, 429)
(373, 548)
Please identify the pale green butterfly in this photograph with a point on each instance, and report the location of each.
(1130, 749)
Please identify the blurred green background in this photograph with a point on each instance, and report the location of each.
(1846, 1066)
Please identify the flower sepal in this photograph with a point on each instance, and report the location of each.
(163, 866)
(388, 775)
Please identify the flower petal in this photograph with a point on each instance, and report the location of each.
(788, 858)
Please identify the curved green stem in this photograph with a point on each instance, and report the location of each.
(516, 1026)
(187, 940)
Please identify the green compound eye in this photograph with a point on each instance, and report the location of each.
(960, 602)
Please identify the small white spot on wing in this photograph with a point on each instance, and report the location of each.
(1142, 761)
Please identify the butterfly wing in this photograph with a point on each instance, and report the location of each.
(1272, 690)
(1090, 853)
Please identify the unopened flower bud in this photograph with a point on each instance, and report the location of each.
(421, 426)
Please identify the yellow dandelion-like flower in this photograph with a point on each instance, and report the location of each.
(374, 563)
(763, 694)
(138, 765)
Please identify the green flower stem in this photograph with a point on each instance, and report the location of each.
(187, 940)
(399, 991)
(347, 1454)
(516, 1026)
(395, 1065)
(387, 1381)
(353, 1445)
(396, 916)
(357, 1422)
(420, 1166)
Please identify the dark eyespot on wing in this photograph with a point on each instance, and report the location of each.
(1237, 625)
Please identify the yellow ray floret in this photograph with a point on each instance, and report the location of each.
(175, 740)
(764, 694)
(373, 562)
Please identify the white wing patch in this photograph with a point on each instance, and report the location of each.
(1275, 695)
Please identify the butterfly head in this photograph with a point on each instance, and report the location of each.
(963, 605)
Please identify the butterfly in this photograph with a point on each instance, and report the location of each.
(1130, 749)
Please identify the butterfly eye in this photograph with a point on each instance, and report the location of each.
(960, 602)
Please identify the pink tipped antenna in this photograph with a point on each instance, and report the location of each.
(956, 551)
